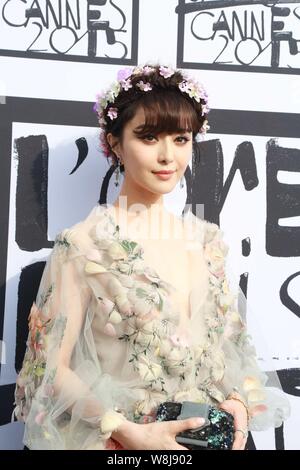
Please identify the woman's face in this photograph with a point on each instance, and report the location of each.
(142, 156)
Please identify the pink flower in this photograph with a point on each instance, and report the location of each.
(123, 74)
(144, 86)
(126, 84)
(112, 113)
(147, 70)
(166, 72)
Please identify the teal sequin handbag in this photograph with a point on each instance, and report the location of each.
(216, 433)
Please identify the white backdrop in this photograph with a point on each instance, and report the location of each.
(34, 64)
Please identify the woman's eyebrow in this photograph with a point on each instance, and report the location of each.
(140, 126)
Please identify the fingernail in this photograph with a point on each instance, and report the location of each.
(200, 421)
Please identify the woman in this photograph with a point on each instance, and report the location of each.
(134, 307)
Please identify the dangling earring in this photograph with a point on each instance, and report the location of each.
(117, 177)
(182, 181)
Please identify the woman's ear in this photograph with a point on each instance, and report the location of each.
(113, 142)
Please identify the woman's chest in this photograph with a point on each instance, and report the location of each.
(180, 264)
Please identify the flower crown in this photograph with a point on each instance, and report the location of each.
(188, 85)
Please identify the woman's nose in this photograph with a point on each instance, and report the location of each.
(166, 150)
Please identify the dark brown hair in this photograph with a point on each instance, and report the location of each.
(167, 109)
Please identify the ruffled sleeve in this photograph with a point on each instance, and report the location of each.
(268, 405)
(61, 393)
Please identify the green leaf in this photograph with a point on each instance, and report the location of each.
(160, 305)
(39, 371)
(140, 292)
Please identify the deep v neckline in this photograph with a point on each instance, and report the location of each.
(118, 234)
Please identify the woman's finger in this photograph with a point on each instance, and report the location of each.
(183, 424)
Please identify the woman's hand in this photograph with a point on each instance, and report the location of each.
(239, 413)
(159, 435)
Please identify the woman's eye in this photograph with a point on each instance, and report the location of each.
(185, 139)
(150, 138)
(146, 137)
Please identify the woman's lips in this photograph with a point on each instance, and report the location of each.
(164, 175)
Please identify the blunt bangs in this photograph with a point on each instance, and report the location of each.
(167, 112)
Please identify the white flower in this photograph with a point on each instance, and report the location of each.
(176, 355)
(164, 348)
(183, 86)
(148, 370)
(115, 317)
(148, 333)
(110, 421)
(178, 361)
(147, 339)
(114, 91)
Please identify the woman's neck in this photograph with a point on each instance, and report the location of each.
(134, 208)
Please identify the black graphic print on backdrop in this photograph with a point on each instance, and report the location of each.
(239, 35)
(92, 31)
(65, 113)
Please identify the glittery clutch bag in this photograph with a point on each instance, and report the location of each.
(216, 433)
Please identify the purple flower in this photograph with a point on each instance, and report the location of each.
(123, 74)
